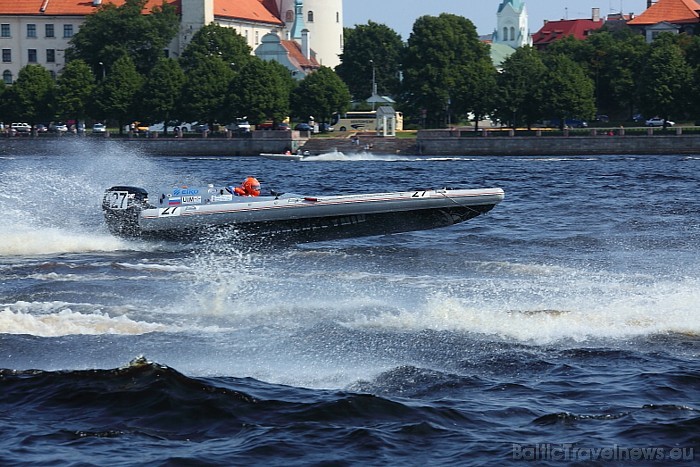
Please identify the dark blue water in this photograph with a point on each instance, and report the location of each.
(563, 327)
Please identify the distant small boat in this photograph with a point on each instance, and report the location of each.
(192, 212)
(284, 156)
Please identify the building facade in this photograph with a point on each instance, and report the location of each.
(512, 24)
(674, 16)
(580, 29)
(39, 31)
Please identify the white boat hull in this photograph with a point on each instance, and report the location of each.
(300, 218)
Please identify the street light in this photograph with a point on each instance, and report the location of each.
(103, 70)
(374, 83)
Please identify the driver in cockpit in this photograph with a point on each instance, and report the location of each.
(249, 187)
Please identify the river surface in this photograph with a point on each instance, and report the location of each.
(561, 327)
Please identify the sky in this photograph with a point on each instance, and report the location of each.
(400, 15)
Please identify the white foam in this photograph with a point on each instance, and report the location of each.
(24, 240)
(62, 320)
(663, 308)
(354, 156)
(52, 206)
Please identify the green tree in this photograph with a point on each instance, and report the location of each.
(74, 90)
(439, 50)
(205, 91)
(320, 94)
(371, 49)
(114, 31)
(115, 97)
(519, 88)
(615, 63)
(261, 91)
(162, 92)
(569, 90)
(612, 59)
(692, 51)
(665, 80)
(475, 89)
(216, 41)
(30, 98)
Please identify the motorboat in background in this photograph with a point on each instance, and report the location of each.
(285, 156)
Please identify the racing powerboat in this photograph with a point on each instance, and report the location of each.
(190, 212)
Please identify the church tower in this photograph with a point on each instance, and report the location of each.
(323, 20)
(512, 28)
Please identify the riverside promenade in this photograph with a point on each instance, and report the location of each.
(425, 142)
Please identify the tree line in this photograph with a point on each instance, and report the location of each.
(442, 75)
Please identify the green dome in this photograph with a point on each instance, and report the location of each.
(516, 4)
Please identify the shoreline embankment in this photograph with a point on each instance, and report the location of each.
(426, 142)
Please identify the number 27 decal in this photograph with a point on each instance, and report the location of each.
(419, 194)
(169, 211)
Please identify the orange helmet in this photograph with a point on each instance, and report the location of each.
(251, 185)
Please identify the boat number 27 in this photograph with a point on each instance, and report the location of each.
(419, 194)
(169, 211)
(118, 199)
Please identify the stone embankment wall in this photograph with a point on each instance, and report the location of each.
(258, 142)
(446, 142)
(428, 142)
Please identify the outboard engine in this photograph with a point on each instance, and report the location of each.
(122, 206)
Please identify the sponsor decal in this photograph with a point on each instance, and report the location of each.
(218, 198)
(185, 191)
(191, 200)
(169, 212)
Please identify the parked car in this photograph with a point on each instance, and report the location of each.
(200, 127)
(268, 125)
(41, 128)
(99, 128)
(325, 127)
(58, 127)
(304, 127)
(21, 127)
(240, 126)
(657, 121)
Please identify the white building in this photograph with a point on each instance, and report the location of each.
(511, 31)
(323, 19)
(512, 24)
(39, 31)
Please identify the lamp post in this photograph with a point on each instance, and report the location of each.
(103, 70)
(374, 83)
(449, 120)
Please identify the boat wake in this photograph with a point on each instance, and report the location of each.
(57, 319)
(53, 207)
(31, 240)
(661, 309)
(354, 157)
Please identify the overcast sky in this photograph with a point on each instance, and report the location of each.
(400, 15)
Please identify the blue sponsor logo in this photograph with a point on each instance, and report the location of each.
(185, 191)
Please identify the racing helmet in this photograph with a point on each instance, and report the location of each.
(251, 185)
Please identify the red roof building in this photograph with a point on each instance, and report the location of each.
(670, 11)
(39, 31)
(675, 16)
(553, 31)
